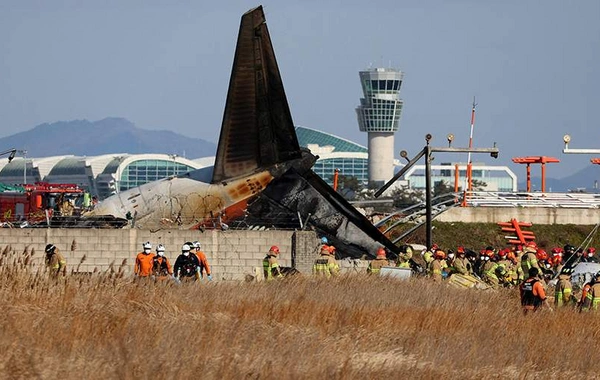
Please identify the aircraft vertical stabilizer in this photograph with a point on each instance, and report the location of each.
(257, 128)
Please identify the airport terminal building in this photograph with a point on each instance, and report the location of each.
(108, 174)
(101, 176)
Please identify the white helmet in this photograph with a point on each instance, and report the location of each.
(197, 244)
(160, 250)
(185, 248)
(147, 247)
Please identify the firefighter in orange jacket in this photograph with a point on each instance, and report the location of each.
(161, 268)
(204, 267)
(144, 261)
(533, 295)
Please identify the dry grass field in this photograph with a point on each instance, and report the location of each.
(355, 326)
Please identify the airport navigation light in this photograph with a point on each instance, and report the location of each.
(450, 138)
(566, 139)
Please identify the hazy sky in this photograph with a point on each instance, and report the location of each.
(534, 67)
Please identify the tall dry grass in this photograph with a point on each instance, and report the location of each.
(107, 326)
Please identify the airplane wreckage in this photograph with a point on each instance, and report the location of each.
(260, 171)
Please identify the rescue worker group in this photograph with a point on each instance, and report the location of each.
(527, 267)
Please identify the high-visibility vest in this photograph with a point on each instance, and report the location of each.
(562, 293)
(269, 267)
(595, 295)
(491, 271)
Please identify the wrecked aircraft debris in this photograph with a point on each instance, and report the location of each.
(260, 170)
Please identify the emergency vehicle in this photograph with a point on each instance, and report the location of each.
(39, 202)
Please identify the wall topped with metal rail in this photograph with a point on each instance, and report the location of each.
(537, 208)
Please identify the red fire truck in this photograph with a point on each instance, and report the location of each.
(40, 202)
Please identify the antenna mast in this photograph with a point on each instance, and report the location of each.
(469, 179)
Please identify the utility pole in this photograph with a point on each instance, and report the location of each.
(469, 176)
(426, 151)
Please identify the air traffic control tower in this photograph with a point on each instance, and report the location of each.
(379, 115)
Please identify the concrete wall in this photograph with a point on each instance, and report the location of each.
(231, 254)
(535, 215)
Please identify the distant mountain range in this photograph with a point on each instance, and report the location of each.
(586, 179)
(110, 135)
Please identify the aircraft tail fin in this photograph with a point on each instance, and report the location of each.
(257, 129)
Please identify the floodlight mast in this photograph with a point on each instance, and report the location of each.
(12, 154)
(567, 150)
(426, 151)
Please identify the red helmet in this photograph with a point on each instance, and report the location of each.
(531, 244)
(503, 252)
(541, 255)
(381, 252)
(557, 251)
(274, 249)
(460, 249)
(591, 250)
(435, 247)
(439, 254)
(555, 260)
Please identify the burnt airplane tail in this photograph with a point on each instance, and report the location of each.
(257, 129)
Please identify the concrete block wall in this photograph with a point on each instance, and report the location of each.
(535, 215)
(231, 254)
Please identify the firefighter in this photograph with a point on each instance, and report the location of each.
(556, 259)
(563, 289)
(438, 265)
(586, 298)
(532, 292)
(406, 253)
(55, 261)
(488, 270)
(462, 265)
(144, 261)
(379, 262)
(271, 264)
(186, 265)
(203, 266)
(506, 271)
(590, 299)
(517, 270)
(326, 265)
(161, 268)
(590, 256)
(529, 259)
(569, 251)
(428, 256)
(595, 293)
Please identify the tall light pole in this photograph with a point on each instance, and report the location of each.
(426, 151)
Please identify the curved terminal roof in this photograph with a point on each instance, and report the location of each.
(308, 137)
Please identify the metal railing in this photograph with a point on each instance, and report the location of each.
(522, 199)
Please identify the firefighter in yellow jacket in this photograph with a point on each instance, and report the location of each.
(379, 262)
(438, 265)
(271, 264)
(55, 261)
(563, 290)
(326, 265)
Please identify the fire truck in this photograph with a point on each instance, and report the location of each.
(40, 202)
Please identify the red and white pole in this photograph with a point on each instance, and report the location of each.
(469, 178)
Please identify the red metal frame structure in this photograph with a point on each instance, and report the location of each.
(543, 160)
(514, 226)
